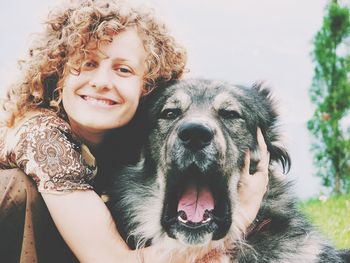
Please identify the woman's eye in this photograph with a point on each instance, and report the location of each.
(89, 64)
(229, 114)
(123, 71)
(170, 114)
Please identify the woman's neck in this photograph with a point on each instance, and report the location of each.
(90, 137)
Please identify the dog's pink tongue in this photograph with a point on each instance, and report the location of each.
(194, 202)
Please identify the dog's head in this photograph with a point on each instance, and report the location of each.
(200, 131)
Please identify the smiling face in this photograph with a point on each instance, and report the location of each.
(106, 92)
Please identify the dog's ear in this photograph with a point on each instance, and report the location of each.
(268, 123)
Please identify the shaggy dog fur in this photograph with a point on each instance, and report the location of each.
(182, 194)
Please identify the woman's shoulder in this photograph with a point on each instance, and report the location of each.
(35, 123)
(42, 118)
(43, 146)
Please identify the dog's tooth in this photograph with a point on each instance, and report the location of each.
(206, 214)
(206, 217)
(206, 220)
(182, 220)
(182, 217)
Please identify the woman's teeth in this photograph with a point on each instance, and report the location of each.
(103, 102)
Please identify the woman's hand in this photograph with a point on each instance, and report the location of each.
(252, 187)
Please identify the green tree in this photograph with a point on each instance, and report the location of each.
(330, 92)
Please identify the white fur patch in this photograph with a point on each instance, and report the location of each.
(225, 100)
(179, 100)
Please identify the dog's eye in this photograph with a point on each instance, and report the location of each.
(170, 114)
(229, 114)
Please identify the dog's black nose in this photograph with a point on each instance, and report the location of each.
(195, 135)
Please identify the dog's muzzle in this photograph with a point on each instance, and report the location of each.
(196, 206)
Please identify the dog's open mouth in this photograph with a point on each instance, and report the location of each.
(197, 205)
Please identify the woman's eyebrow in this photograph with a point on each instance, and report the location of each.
(125, 60)
(100, 55)
(95, 54)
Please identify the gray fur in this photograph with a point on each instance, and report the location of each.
(143, 194)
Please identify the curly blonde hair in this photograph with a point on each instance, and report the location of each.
(70, 31)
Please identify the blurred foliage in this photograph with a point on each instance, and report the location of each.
(330, 93)
(331, 217)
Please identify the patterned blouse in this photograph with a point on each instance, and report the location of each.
(44, 147)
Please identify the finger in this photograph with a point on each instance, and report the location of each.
(264, 161)
(264, 154)
(261, 140)
(246, 166)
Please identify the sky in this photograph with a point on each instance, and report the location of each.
(241, 41)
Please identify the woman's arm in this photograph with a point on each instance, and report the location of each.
(87, 227)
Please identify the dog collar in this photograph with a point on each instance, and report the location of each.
(211, 255)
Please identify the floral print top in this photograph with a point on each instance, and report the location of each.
(44, 147)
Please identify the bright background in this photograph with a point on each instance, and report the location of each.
(241, 41)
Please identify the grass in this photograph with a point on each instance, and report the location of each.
(332, 217)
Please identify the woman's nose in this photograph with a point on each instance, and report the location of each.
(101, 79)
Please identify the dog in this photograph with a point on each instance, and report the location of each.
(182, 193)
